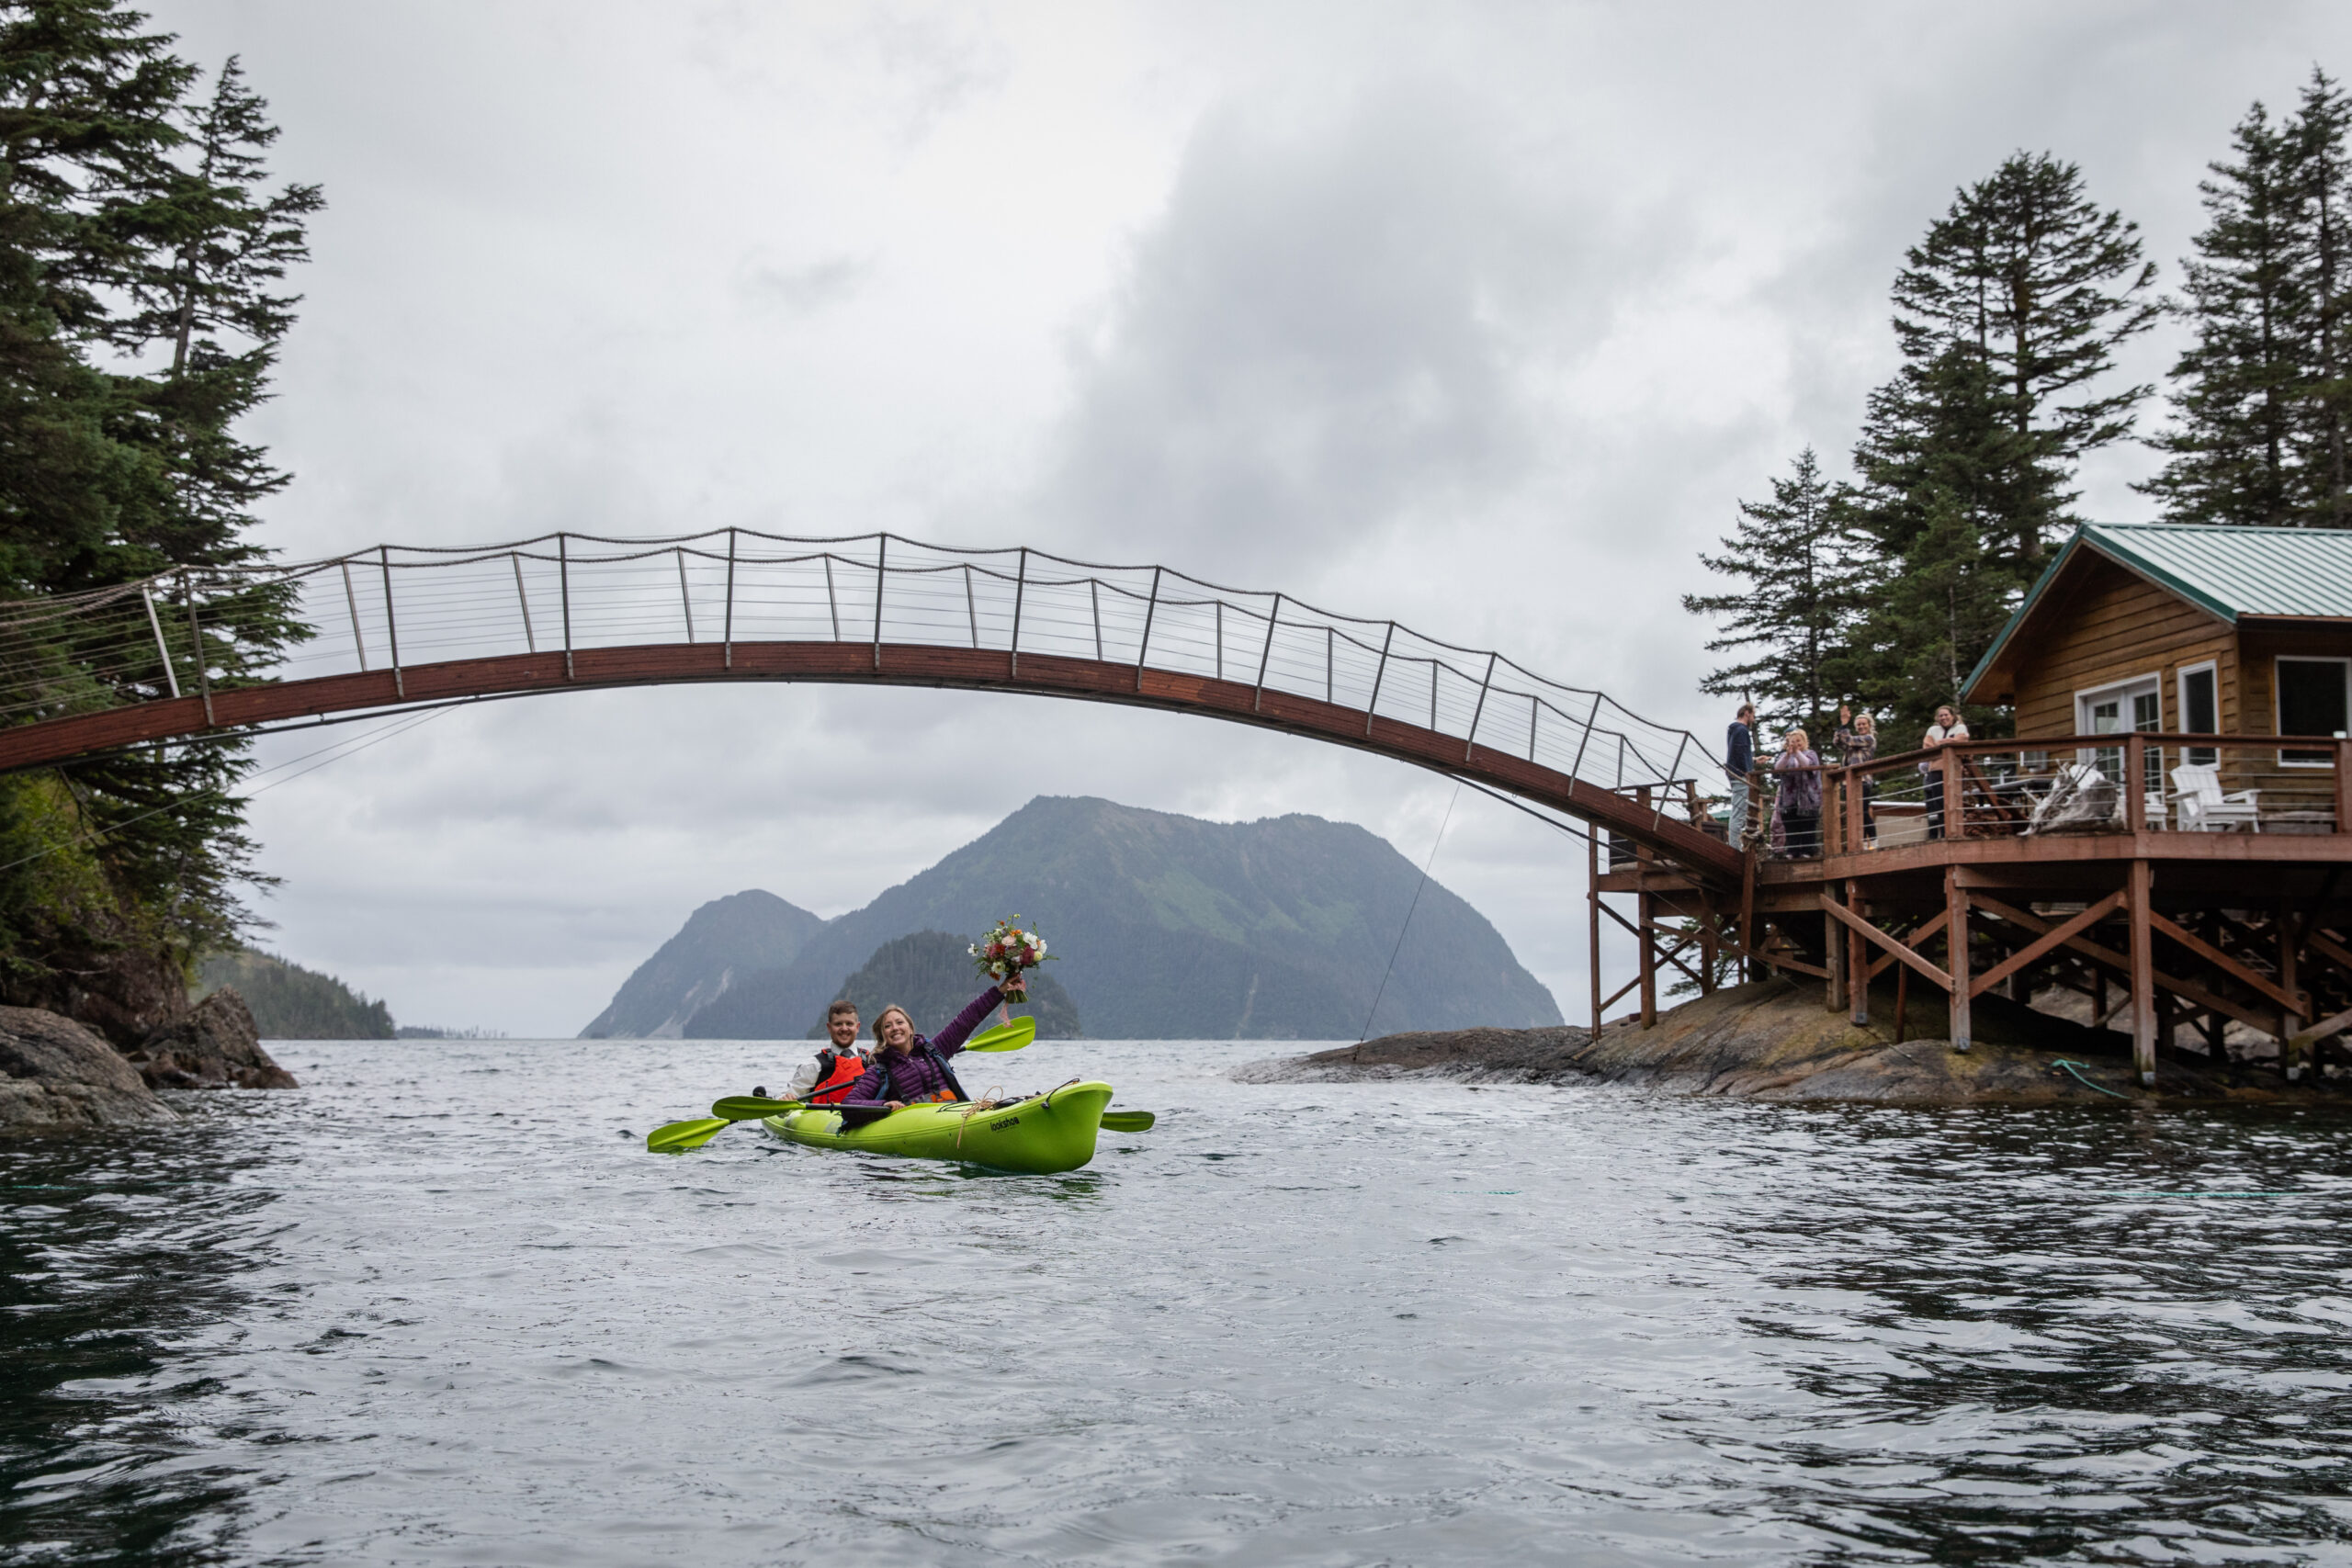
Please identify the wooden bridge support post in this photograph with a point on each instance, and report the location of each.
(1645, 918)
(1750, 966)
(1858, 960)
(1710, 942)
(1646, 907)
(1593, 906)
(2143, 976)
(1833, 955)
(1956, 936)
(2290, 1019)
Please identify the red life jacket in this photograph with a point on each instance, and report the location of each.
(836, 1075)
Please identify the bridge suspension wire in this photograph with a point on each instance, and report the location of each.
(102, 649)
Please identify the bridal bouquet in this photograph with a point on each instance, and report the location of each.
(1005, 952)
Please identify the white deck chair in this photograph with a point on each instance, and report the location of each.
(2205, 809)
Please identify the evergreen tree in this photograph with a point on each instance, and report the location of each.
(1792, 553)
(1945, 474)
(2325, 164)
(2233, 444)
(140, 258)
(2262, 396)
(2008, 313)
(2027, 275)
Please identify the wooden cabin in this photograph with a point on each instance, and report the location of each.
(2183, 628)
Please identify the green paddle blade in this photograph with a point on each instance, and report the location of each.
(679, 1136)
(1128, 1121)
(1005, 1036)
(751, 1107)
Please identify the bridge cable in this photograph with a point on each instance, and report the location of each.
(1408, 912)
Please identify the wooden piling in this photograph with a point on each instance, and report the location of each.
(2144, 973)
(1956, 936)
(1592, 908)
(1858, 961)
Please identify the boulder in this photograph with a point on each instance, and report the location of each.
(56, 1076)
(124, 992)
(215, 1047)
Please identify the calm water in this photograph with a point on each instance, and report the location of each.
(439, 1307)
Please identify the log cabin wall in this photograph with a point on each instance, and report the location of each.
(2108, 624)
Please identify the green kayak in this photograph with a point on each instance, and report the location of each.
(1040, 1136)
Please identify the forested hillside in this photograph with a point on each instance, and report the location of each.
(291, 1002)
(723, 944)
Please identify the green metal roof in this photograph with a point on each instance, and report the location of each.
(2229, 572)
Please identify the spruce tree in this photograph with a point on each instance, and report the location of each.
(2232, 448)
(1792, 554)
(2323, 125)
(2261, 396)
(2008, 313)
(2029, 276)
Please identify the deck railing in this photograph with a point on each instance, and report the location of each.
(2069, 786)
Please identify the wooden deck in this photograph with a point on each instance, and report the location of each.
(2170, 929)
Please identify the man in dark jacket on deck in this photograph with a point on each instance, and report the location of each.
(1739, 757)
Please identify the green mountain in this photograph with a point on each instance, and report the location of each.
(720, 944)
(1172, 928)
(291, 1002)
(929, 974)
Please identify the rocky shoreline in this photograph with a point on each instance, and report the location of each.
(58, 1076)
(1773, 1041)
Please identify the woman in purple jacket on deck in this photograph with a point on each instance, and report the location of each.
(909, 1068)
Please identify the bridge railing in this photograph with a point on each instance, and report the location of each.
(392, 607)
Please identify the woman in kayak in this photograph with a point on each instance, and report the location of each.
(906, 1067)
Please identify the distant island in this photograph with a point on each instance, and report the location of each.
(1170, 928)
(291, 1002)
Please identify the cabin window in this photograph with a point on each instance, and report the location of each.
(2200, 711)
(2312, 702)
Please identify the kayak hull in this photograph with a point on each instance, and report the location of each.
(1038, 1136)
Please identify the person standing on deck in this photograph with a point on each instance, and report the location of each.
(1857, 744)
(906, 1067)
(1796, 804)
(1739, 757)
(1948, 726)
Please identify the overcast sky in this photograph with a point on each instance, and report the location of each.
(1484, 317)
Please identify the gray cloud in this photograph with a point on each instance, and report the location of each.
(1314, 341)
(804, 290)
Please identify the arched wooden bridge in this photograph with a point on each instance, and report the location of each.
(402, 627)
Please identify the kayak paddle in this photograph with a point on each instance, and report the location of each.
(1004, 1036)
(679, 1136)
(1128, 1121)
(752, 1107)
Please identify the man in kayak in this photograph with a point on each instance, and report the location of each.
(906, 1067)
(827, 1079)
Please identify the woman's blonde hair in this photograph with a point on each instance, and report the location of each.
(1795, 739)
(1867, 725)
(913, 1033)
